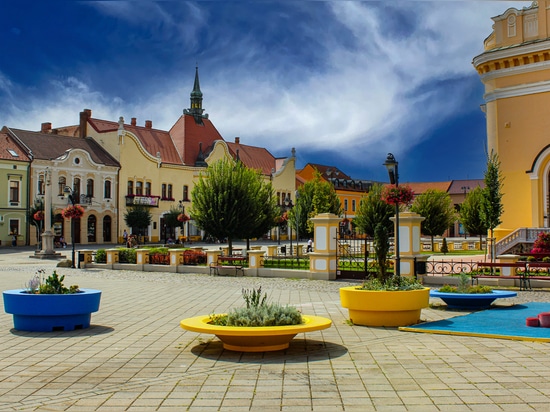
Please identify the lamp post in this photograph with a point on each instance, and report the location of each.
(393, 172)
(70, 194)
(182, 207)
(297, 195)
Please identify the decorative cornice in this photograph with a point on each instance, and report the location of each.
(515, 91)
(521, 50)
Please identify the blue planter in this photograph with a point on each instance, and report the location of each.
(47, 313)
(471, 300)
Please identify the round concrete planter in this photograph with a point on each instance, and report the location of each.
(384, 308)
(471, 300)
(255, 339)
(47, 313)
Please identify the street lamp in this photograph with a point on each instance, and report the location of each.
(182, 207)
(70, 194)
(297, 195)
(392, 166)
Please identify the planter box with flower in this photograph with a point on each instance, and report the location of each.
(465, 296)
(258, 327)
(46, 305)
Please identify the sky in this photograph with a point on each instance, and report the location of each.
(343, 82)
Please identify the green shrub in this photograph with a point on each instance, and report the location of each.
(100, 256)
(392, 283)
(258, 312)
(127, 255)
(448, 289)
(52, 285)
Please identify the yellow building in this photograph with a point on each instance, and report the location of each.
(515, 70)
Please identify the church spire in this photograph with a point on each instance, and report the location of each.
(196, 109)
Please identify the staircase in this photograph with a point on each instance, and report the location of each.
(519, 241)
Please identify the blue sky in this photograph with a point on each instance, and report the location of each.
(343, 82)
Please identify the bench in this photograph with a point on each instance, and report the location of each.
(524, 282)
(235, 263)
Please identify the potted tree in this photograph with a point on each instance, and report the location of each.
(260, 326)
(387, 299)
(46, 305)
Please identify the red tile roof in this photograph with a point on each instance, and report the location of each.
(187, 135)
(421, 187)
(9, 146)
(253, 157)
(51, 146)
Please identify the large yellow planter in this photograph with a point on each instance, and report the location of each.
(384, 308)
(255, 339)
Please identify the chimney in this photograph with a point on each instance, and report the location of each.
(237, 140)
(46, 127)
(148, 124)
(84, 116)
(133, 122)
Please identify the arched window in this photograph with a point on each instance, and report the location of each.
(163, 194)
(130, 187)
(62, 184)
(170, 192)
(40, 184)
(92, 225)
(139, 188)
(76, 188)
(107, 230)
(90, 188)
(185, 192)
(107, 189)
(147, 188)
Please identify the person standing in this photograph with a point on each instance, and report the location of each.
(309, 246)
(125, 237)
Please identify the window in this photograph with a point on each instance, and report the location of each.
(107, 189)
(139, 188)
(148, 189)
(90, 188)
(62, 184)
(163, 194)
(185, 192)
(130, 187)
(278, 197)
(14, 193)
(345, 204)
(76, 188)
(41, 184)
(14, 227)
(353, 205)
(170, 192)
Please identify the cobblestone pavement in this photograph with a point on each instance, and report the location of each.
(135, 356)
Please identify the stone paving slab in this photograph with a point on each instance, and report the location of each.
(135, 357)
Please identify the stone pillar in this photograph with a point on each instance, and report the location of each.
(112, 256)
(271, 250)
(255, 258)
(212, 256)
(508, 259)
(322, 262)
(409, 241)
(86, 257)
(142, 257)
(176, 257)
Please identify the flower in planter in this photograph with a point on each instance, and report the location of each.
(397, 195)
(73, 212)
(39, 215)
(542, 243)
(52, 285)
(182, 217)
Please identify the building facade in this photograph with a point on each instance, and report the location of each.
(515, 70)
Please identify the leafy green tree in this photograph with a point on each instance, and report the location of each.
(437, 208)
(491, 207)
(470, 214)
(37, 206)
(314, 197)
(138, 218)
(373, 211)
(232, 201)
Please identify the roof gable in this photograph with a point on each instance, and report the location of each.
(253, 157)
(10, 150)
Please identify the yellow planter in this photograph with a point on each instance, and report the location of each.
(255, 339)
(384, 308)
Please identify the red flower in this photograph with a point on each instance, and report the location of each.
(39, 215)
(182, 217)
(73, 212)
(397, 195)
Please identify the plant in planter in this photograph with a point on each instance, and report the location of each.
(47, 305)
(259, 327)
(467, 296)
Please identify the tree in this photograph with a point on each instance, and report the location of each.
(491, 207)
(470, 214)
(138, 218)
(437, 209)
(373, 211)
(232, 201)
(444, 247)
(381, 249)
(314, 197)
